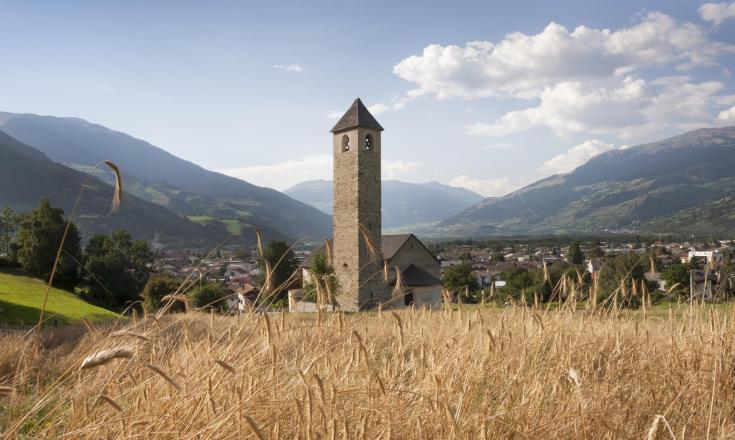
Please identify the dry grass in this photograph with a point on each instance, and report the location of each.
(481, 373)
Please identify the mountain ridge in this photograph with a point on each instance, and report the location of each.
(632, 189)
(163, 178)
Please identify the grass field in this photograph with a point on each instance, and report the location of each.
(233, 226)
(514, 372)
(21, 298)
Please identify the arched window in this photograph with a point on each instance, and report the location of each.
(345, 143)
(368, 143)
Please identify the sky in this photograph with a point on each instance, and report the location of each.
(487, 95)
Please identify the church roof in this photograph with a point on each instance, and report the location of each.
(356, 116)
(391, 244)
(414, 276)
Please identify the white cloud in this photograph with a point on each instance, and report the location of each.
(285, 174)
(572, 107)
(397, 169)
(524, 65)
(575, 156)
(397, 103)
(727, 116)
(630, 108)
(378, 109)
(717, 12)
(486, 187)
(295, 68)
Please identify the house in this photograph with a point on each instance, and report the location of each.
(701, 284)
(243, 298)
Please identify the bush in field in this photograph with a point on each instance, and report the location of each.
(622, 276)
(459, 278)
(210, 296)
(159, 286)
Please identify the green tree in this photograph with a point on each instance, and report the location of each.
(159, 286)
(8, 226)
(677, 273)
(39, 237)
(576, 256)
(620, 274)
(323, 273)
(459, 278)
(210, 296)
(118, 268)
(282, 261)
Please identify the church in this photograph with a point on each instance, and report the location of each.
(368, 265)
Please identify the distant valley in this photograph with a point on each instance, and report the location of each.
(405, 205)
(208, 198)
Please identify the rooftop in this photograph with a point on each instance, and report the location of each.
(356, 116)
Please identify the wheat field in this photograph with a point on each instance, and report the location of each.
(453, 373)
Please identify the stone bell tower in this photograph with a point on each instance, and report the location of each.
(357, 182)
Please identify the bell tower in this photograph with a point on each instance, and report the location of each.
(358, 265)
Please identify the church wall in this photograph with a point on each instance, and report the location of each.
(414, 252)
(429, 296)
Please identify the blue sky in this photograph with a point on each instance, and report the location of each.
(490, 95)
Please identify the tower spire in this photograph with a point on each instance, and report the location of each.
(356, 116)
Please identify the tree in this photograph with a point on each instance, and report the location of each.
(39, 237)
(677, 273)
(282, 263)
(8, 225)
(281, 260)
(498, 256)
(458, 278)
(118, 268)
(576, 256)
(210, 296)
(323, 274)
(624, 271)
(159, 286)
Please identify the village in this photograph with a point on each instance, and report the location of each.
(707, 264)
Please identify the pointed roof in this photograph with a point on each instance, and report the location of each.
(356, 116)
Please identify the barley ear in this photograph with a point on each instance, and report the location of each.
(117, 198)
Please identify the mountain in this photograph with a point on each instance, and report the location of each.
(404, 204)
(27, 175)
(162, 178)
(684, 184)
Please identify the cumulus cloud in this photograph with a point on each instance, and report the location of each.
(630, 108)
(524, 65)
(575, 156)
(486, 187)
(727, 116)
(295, 68)
(717, 12)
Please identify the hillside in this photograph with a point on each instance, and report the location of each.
(26, 175)
(404, 204)
(21, 298)
(162, 178)
(679, 185)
